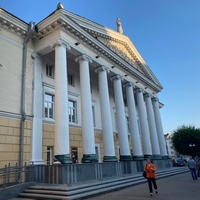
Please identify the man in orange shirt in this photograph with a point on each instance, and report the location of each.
(150, 169)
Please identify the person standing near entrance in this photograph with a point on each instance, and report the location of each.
(150, 169)
(192, 166)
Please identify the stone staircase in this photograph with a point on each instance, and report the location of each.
(81, 191)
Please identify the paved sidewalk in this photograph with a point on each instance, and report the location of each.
(177, 187)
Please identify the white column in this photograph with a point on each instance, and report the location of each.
(143, 124)
(108, 141)
(121, 120)
(133, 124)
(89, 154)
(36, 143)
(159, 127)
(61, 148)
(152, 127)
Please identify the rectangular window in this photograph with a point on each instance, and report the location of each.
(49, 106)
(50, 71)
(71, 80)
(72, 111)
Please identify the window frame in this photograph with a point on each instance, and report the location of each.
(74, 110)
(49, 102)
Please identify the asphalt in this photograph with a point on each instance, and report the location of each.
(177, 187)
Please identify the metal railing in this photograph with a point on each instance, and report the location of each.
(72, 173)
(12, 175)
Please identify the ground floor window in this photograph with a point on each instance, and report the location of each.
(49, 155)
(74, 154)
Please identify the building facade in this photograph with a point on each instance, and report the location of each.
(76, 91)
(170, 149)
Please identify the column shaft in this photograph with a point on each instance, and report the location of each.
(133, 124)
(89, 154)
(143, 124)
(36, 144)
(159, 127)
(61, 149)
(109, 151)
(121, 120)
(152, 127)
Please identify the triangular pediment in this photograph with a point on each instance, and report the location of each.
(121, 49)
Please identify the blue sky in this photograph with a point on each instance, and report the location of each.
(165, 32)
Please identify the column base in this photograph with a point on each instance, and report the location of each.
(147, 156)
(157, 157)
(89, 158)
(125, 158)
(109, 159)
(64, 159)
(165, 157)
(138, 157)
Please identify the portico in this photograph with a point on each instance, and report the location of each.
(112, 90)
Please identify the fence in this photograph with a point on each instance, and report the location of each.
(72, 173)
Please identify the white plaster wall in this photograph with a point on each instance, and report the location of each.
(11, 73)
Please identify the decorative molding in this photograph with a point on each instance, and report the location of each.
(129, 84)
(155, 99)
(84, 57)
(139, 90)
(102, 68)
(148, 95)
(60, 42)
(117, 77)
(14, 115)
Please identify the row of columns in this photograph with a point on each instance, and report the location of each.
(149, 116)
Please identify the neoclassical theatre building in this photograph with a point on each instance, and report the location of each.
(75, 91)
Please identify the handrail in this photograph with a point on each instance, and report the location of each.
(10, 175)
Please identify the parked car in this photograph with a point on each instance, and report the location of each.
(180, 162)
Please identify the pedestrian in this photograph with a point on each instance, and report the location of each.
(150, 169)
(192, 166)
(198, 168)
(173, 162)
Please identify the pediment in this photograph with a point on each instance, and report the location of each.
(121, 49)
(126, 50)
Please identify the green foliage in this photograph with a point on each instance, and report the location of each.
(186, 140)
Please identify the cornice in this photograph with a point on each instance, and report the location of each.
(12, 23)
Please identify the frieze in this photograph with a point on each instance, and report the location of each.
(120, 49)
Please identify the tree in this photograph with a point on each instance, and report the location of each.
(186, 140)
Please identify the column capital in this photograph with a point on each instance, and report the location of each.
(35, 55)
(102, 68)
(116, 77)
(129, 84)
(60, 42)
(83, 57)
(148, 95)
(139, 90)
(154, 99)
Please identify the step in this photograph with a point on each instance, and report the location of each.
(90, 189)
